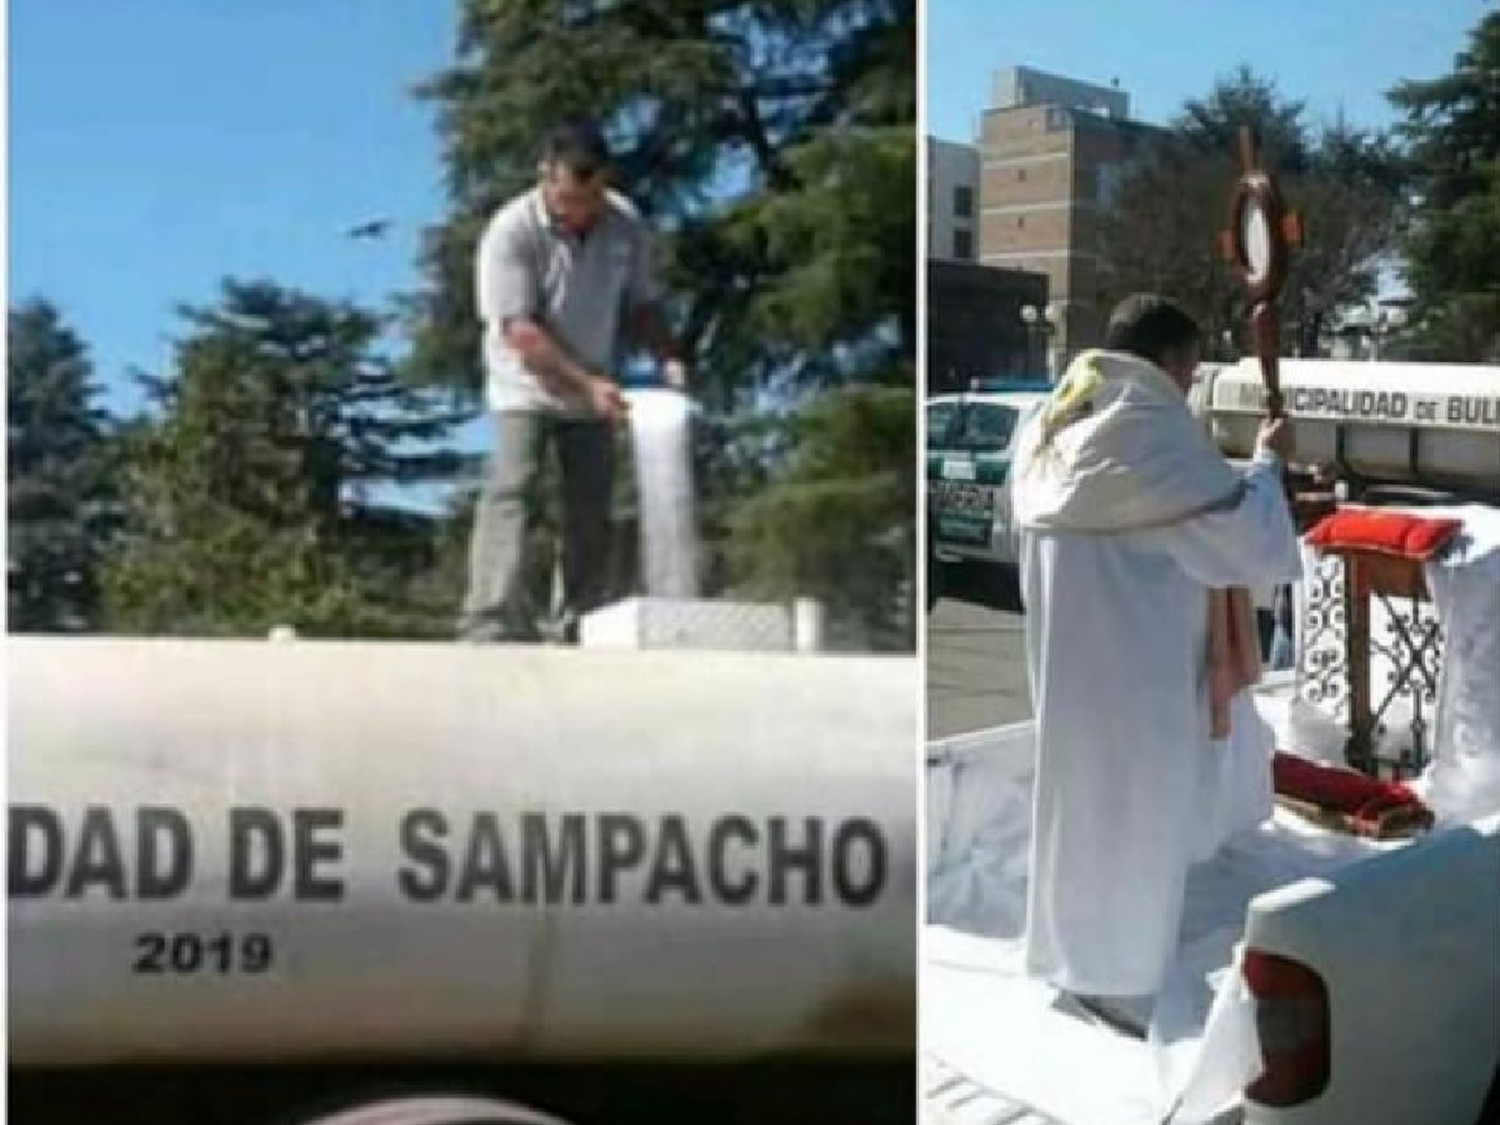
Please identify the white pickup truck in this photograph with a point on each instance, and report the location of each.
(1321, 979)
(1366, 975)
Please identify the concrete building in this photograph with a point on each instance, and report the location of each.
(1053, 155)
(974, 323)
(952, 200)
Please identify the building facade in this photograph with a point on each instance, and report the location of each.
(952, 201)
(975, 326)
(1053, 155)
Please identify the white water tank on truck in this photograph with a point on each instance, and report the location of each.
(1430, 424)
(241, 851)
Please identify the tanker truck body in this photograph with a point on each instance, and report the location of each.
(1434, 426)
(231, 853)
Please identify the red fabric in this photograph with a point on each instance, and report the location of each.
(1344, 791)
(1388, 533)
(1233, 653)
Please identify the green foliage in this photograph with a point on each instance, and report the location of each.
(772, 143)
(1352, 201)
(1211, 125)
(840, 250)
(1345, 182)
(741, 129)
(1161, 236)
(1453, 252)
(837, 523)
(61, 506)
(251, 493)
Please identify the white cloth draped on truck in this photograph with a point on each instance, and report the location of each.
(1462, 781)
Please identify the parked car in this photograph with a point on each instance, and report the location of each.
(970, 440)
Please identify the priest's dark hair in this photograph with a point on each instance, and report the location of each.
(577, 145)
(1149, 326)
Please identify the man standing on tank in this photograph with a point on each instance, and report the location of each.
(565, 278)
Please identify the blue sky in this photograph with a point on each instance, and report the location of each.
(1331, 53)
(157, 146)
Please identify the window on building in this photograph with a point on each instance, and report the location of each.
(963, 245)
(1020, 175)
(1020, 221)
(1107, 189)
(963, 201)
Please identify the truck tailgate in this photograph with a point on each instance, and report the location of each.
(1408, 948)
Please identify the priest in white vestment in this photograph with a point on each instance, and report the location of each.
(1127, 517)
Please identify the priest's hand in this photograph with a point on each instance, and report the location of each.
(1277, 437)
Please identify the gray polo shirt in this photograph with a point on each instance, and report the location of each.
(579, 289)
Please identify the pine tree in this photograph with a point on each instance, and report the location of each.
(1210, 125)
(259, 493)
(834, 524)
(773, 146)
(60, 503)
(1346, 183)
(1453, 253)
(739, 128)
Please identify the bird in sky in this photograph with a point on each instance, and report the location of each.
(375, 228)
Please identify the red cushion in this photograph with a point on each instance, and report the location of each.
(1388, 533)
(1332, 787)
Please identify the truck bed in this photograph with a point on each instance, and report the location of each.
(952, 1098)
(999, 1046)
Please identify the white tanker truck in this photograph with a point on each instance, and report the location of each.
(252, 852)
(1427, 427)
(337, 863)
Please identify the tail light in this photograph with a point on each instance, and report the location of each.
(1291, 1017)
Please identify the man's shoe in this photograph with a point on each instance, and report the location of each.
(1129, 1015)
